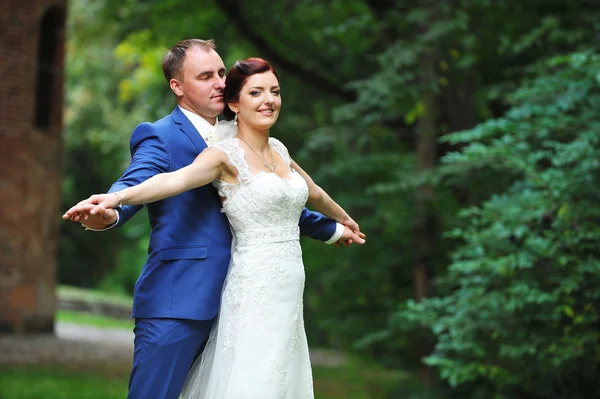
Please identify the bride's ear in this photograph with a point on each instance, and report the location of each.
(233, 106)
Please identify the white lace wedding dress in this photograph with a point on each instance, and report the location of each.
(257, 348)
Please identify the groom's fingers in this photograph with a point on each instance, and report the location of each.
(346, 242)
(357, 238)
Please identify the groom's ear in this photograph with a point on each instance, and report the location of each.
(176, 87)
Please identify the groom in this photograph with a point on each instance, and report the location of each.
(178, 292)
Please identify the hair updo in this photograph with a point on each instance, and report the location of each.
(237, 77)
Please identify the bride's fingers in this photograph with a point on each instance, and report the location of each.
(76, 208)
(84, 209)
(98, 209)
(77, 212)
(359, 238)
(85, 205)
(359, 233)
(353, 226)
(72, 210)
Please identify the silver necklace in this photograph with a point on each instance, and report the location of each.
(272, 169)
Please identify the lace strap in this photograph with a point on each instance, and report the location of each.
(281, 149)
(237, 157)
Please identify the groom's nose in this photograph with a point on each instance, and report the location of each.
(220, 84)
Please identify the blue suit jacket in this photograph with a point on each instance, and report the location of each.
(190, 241)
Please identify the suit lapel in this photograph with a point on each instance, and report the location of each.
(188, 129)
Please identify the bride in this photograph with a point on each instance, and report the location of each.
(257, 348)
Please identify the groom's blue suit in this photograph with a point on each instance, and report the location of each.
(179, 290)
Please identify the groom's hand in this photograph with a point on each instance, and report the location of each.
(348, 237)
(100, 220)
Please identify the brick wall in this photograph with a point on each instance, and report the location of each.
(30, 166)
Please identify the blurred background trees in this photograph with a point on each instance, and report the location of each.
(463, 136)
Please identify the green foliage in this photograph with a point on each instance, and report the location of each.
(97, 128)
(519, 304)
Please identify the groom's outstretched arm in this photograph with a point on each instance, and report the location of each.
(149, 156)
(319, 227)
(316, 226)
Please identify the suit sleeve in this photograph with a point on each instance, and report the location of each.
(317, 226)
(149, 157)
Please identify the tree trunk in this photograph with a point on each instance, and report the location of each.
(427, 133)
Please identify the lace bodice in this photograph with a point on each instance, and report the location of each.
(258, 346)
(262, 202)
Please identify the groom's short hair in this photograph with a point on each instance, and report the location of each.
(173, 61)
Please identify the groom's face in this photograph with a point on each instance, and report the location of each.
(202, 83)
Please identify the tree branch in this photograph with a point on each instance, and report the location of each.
(380, 7)
(232, 11)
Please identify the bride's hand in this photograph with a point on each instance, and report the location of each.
(349, 237)
(352, 225)
(352, 233)
(97, 203)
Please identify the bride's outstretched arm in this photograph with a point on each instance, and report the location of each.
(208, 166)
(322, 202)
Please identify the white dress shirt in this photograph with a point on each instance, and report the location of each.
(206, 131)
(202, 125)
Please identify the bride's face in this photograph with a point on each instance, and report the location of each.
(259, 101)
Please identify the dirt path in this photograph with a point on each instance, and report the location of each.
(81, 344)
(72, 344)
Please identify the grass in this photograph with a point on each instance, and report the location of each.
(91, 319)
(94, 296)
(59, 383)
(355, 380)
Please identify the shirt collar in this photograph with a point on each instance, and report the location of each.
(202, 125)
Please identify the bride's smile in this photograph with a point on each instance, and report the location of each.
(259, 102)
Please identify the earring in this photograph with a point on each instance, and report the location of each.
(235, 120)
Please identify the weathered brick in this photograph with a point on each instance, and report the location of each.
(30, 167)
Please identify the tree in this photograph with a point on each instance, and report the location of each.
(518, 314)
